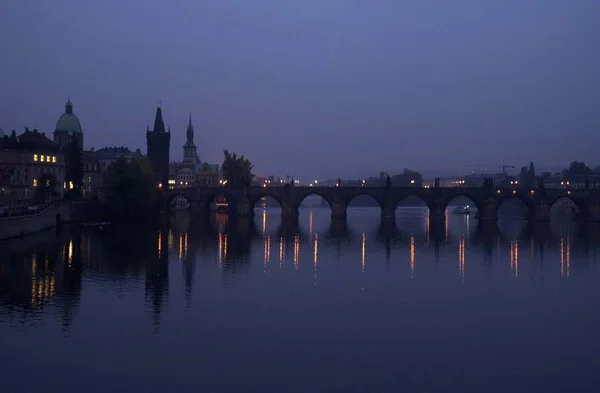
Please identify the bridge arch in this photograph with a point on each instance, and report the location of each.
(463, 200)
(266, 200)
(303, 198)
(219, 201)
(364, 198)
(411, 201)
(171, 200)
(566, 205)
(525, 207)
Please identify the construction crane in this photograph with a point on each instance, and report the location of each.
(503, 167)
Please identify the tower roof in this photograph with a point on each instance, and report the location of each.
(68, 121)
(190, 134)
(159, 124)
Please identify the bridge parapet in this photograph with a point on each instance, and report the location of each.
(487, 201)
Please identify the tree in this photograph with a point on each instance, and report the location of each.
(237, 170)
(46, 188)
(129, 190)
(74, 168)
(408, 178)
(577, 168)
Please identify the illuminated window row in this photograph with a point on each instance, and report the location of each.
(43, 158)
(35, 183)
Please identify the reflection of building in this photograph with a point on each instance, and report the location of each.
(31, 282)
(192, 172)
(158, 143)
(23, 159)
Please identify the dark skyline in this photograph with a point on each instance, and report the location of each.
(313, 88)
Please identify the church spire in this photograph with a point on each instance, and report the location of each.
(190, 132)
(159, 124)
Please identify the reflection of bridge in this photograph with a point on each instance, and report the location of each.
(538, 201)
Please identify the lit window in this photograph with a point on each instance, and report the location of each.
(53, 158)
(48, 182)
(35, 157)
(35, 182)
(64, 185)
(42, 158)
(70, 185)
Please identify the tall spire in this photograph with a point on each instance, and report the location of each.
(190, 132)
(159, 125)
(69, 106)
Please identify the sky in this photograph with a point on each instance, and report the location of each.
(315, 88)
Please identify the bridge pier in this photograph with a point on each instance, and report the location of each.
(388, 211)
(338, 209)
(542, 211)
(489, 210)
(243, 207)
(592, 211)
(289, 210)
(437, 211)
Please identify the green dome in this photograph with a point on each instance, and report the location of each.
(68, 121)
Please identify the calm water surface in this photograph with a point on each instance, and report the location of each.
(257, 306)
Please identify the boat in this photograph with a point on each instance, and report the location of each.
(462, 210)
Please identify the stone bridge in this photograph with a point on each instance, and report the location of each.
(538, 201)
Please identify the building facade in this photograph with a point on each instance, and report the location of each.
(24, 159)
(158, 145)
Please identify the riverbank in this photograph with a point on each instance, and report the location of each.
(14, 227)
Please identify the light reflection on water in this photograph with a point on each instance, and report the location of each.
(265, 305)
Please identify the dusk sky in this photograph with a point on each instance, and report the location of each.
(315, 88)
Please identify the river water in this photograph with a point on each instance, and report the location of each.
(257, 306)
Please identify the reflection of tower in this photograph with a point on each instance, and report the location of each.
(461, 257)
(157, 280)
(189, 268)
(68, 281)
(412, 256)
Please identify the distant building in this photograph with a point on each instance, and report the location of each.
(192, 172)
(109, 155)
(92, 175)
(96, 162)
(23, 159)
(158, 146)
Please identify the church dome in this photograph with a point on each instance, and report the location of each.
(68, 121)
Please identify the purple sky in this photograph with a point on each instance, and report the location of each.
(315, 88)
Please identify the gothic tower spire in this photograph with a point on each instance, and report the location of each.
(190, 155)
(190, 132)
(159, 124)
